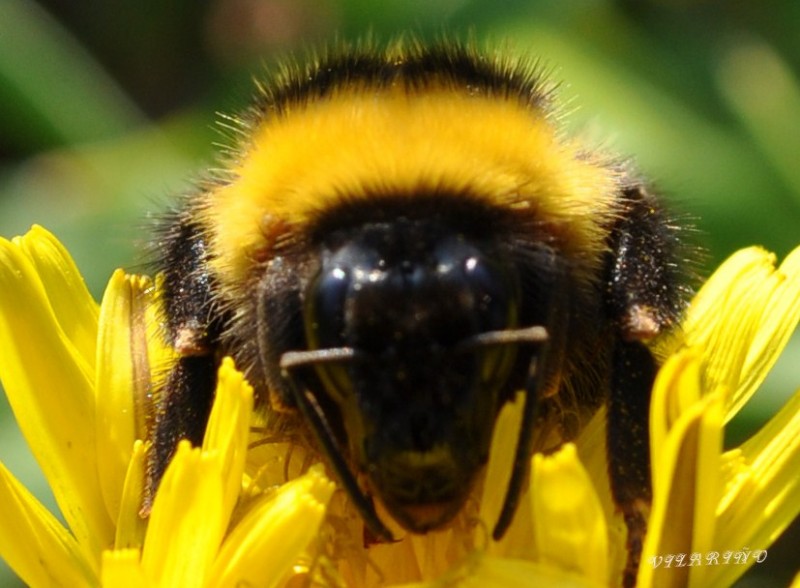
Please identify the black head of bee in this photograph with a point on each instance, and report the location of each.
(417, 398)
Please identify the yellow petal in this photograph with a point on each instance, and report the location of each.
(741, 319)
(263, 547)
(48, 382)
(570, 525)
(592, 452)
(510, 573)
(122, 370)
(731, 303)
(517, 539)
(762, 495)
(122, 569)
(33, 542)
(131, 526)
(73, 305)
(779, 318)
(186, 523)
(702, 316)
(686, 475)
(486, 571)
(193, 504)
(228, 429)
(796, 582)
(676, 390)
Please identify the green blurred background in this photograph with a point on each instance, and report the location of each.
(108, 108)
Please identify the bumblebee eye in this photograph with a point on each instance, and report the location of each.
(493, 294)
(325, 308)
(495, 309)
(325, 325)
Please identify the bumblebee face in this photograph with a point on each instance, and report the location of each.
(416, 401)
(403, 242)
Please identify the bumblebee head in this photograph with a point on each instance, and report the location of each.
(418, 397)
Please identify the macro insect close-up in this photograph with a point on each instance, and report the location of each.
(403, 243)
(410, 327)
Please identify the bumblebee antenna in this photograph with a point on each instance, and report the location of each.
(528, 335)
(293, 359)
(313, 413)
(521, 455)
(536, 334)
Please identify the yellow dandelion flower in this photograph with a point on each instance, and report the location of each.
(79, 413)
(78, 376)
(715, 513)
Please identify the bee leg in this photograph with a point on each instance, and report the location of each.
(183, 402)
(643, 298)
(182, 414)
(628, 444)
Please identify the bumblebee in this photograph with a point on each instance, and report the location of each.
(402, 240)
